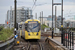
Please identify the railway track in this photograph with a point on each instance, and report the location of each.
(35, 46)
(31, 45)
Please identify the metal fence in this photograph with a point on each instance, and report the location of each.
(68, 39)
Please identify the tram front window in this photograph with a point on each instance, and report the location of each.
(33, 27)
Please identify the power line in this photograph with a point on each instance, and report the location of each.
(39, 5)
(34, 3)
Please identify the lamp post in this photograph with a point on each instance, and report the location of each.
(61, 18)
(36, 15)
(15, 24)
(40, 16)
(52, 18)
(62, 23)
(55, 19)
(15, 16)
(42, 20)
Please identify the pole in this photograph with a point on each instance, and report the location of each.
(28, 14)
(36, 15)
(40, 16)
(42, 20)
(62, 23)
(55, 19)
(52, 19)
(25, 16)
(10, 16)
(15, 17)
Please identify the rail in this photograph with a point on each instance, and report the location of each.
(34, 46)
(7, 45)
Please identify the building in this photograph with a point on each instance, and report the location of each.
(22, 15)
(48, 21)
(44, 19)
(59, 18)
(58, 22)
(71, 24)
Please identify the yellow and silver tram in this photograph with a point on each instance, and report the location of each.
(30, 29)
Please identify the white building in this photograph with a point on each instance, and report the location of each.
(65, 22)
(49, 23)
(45, 19)
(58, 23)
(22, 15)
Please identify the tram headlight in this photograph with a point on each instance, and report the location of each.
(37, 34)
(28, 33)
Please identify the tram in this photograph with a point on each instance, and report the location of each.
(30, 29)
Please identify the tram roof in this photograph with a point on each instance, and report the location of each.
(31, 20)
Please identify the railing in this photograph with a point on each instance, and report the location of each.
(68, 39)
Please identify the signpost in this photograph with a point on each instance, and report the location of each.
(7, 22)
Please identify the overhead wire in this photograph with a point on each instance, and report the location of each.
(34, 4)
(39, 5)
(71, 14)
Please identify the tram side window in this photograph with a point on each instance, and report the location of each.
(25, 26)
(39, 26)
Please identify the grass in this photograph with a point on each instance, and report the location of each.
(5, 33)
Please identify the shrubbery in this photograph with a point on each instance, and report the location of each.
(1, 28)
(5, 33)
(44, 26)
(73, 29)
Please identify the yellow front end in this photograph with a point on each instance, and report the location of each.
(32, 35)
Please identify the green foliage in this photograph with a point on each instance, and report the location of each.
(1, 28)
(44, 26)
(73, 29)
(5, 33)
(63, 29)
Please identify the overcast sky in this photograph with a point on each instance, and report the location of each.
(42, 5)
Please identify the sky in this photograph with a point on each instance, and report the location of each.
(41, 5)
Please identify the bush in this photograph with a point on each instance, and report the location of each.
(6, 33)
(1, 28)
(44, 26)
(73, 29)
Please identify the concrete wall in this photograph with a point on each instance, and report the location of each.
(55, 45)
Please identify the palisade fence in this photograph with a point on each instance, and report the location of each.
(68, 39)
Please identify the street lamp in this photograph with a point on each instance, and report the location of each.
(61, 18)
(15, 16)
